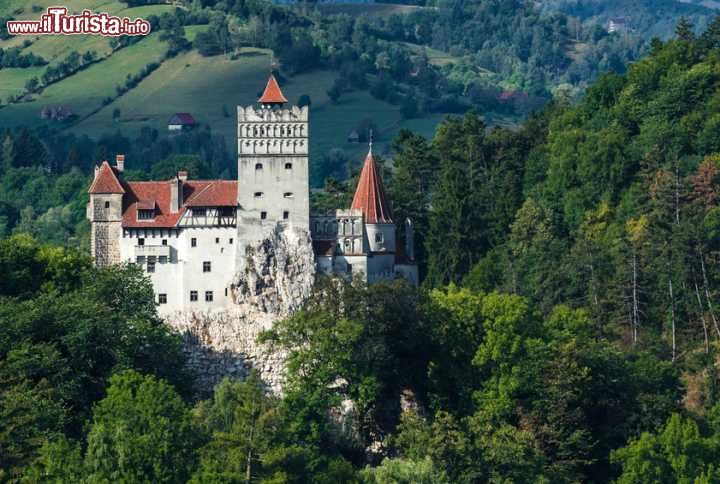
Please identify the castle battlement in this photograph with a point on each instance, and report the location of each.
(253, 114)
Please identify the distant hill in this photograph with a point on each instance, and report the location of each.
(648, 18)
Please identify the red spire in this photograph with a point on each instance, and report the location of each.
(106, 181)
(370, 194)
(272, 93)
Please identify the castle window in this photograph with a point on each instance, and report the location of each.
(144, 214)
(164, 241)
(193, 296)
(151, 266)
(217, 240)
(208, 296)
(348, 268)
(206, 266)
(140, 260)
(141, 242)
(258, 166)
(263, 215)
(193, 242)
(231, 240)
(288, 166)
(288, 195)
(258, 194)
(226, 292)
(162, 298)
(379, 237)
(286, 215)
(163, 259)
(107, 204)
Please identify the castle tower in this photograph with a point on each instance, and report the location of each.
(104, 211)
(370, 198)
(273, 181)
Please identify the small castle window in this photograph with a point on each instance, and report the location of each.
(193, 242)
(151, 266)
(258, 194)
(140, 260)
(193, 295)
(286, 215)
(348, 268)
(217, 240)
(162, 298)
(141, 242)
(107, 204)
(263, 215)
(379, 237)
(164, 242)
(231, 240)
(163, 259)
(258, 166)
(206, 266)
(288, 166)
(288, 195)
(208, 296)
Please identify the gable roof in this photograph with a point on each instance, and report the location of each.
(272, 93)
(106, 180)
(182, 118)
(196, 193)
(370, 194)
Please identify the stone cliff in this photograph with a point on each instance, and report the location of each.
(276, 275)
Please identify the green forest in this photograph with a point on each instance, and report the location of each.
(566, 329)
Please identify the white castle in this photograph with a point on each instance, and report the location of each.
(191, 236)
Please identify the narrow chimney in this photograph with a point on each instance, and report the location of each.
(175, 194)
(182, 175)
(120, 163)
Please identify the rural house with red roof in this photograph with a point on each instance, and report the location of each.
(180, 122)
(193, 237)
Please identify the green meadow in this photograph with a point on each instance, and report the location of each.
(209, 88)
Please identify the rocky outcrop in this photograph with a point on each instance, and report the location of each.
(276, 275)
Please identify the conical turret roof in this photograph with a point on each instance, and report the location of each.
(370, 194)
(272, 93)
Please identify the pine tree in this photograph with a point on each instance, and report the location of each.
(8, 153)
(684, 31)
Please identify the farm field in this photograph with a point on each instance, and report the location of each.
(85, 90)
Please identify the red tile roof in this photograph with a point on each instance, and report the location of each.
(370, 194)
(182, 118)
(272, 93)
(196, 193)
(218, 193)
(106, 180)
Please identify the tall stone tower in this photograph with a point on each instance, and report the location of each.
(104, 210)
(273, 181)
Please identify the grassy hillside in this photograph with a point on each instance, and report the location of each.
(211, 87)
(208, 87)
